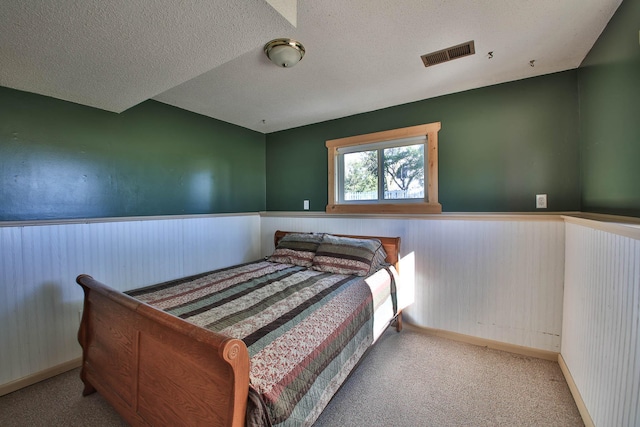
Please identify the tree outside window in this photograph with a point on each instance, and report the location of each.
(401, 175)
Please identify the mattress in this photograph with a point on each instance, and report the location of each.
(305, 329)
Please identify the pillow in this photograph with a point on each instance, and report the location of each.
(346, 255)
(297, 249)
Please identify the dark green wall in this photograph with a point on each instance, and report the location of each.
(574, 135)
(609, 88)
(63, 160)
(499, 146)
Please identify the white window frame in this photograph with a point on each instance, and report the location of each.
(353, 143)
(378, 147)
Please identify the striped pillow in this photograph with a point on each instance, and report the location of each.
(297, 249)
(346, 255)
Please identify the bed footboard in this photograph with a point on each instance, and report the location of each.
(157, 369)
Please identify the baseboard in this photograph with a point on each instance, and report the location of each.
(577, 397)
(483, 342)
(39, 376)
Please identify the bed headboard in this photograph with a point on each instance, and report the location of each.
(391, 244)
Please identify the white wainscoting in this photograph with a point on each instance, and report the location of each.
(494, 277)
(601, 319)
(40, 301)
(490, 276)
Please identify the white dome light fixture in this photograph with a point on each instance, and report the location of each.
(284, 52)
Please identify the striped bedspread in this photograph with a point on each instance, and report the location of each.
(305, 329)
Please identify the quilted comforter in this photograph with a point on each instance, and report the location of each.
(305, 330)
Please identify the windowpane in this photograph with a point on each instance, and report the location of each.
(362, 181)
(361, 176)
(404, 172)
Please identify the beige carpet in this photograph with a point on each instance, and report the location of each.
(413, 379)
(407, 379)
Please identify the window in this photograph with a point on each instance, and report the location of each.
(390, 171)
(393, 171)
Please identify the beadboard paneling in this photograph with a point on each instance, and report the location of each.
(40, 301)
(600, 334)
(494, 278)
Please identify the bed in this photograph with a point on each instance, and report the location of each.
(258, 344)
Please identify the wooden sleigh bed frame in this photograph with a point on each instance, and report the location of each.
(157, 369)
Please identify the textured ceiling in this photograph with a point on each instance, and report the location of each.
(207, 57)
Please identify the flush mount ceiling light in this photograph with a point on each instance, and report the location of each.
(284, 52)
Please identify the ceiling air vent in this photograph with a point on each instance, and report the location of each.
(448, 54)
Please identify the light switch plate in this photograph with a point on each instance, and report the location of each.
(541, 201)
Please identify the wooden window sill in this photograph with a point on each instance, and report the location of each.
(386, 208)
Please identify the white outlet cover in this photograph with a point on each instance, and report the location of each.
(306, 205)
(541, 201)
